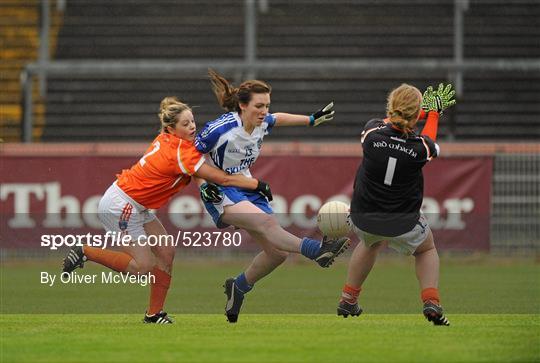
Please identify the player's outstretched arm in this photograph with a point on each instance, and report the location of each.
(218, 176)
(325, 114)
(434, 103)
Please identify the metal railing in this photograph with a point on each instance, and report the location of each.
(251, 64)
(515, 205)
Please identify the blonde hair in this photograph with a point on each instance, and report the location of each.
(403, 107)
(169, 109)
(230, 97)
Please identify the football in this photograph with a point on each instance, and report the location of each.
(333, 219)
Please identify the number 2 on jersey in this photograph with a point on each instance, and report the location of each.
(154, 150)
(390, 169)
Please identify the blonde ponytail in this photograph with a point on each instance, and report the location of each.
(403, 107)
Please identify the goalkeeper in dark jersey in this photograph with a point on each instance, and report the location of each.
(388, 193)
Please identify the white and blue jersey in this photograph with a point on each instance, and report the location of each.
(230, 148)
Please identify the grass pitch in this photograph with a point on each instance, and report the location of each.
(270, 338)
(493, 307)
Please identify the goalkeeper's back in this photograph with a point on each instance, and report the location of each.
(389, 184)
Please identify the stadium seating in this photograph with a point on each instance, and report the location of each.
(493, 106)
(19, 36)
(143, 29)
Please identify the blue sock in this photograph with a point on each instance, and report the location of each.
(310, 247)
(242, 284)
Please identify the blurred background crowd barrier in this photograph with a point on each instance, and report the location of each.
(82, 81)
(478, 197)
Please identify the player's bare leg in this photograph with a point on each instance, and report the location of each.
(427, 263)
(259, 225)
(362, 260)
(276, 242)
(164, 253)
(164, 258)
(143, 259)
(427, 272)
(265, 262)
(247, 216)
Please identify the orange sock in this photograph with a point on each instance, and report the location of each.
(158, 290)
(118, 261)
(431, 293)
(350, 294)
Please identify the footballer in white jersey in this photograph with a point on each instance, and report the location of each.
(233, 143)
(229, 147)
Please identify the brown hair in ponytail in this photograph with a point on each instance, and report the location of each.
(230, 97)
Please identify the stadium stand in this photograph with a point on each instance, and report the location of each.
(18, 36)
(355, 29)
(494, 106)
(19, 39)
(501, 29)
(114, 29)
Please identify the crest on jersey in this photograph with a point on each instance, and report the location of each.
(259, 143)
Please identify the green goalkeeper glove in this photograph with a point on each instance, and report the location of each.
(438, 100)
(323, 115)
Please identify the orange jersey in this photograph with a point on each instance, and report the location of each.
(165, 168)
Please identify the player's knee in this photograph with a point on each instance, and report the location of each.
(145, 269)
(145, 266)
(423, 248)
(166, 257)
(427, 245)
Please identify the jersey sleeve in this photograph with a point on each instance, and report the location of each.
(207, 138)
(432, 125)
(270, 120)
(432, 148)
(189, 159)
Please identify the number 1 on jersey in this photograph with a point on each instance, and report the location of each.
(390, 169)
(154, 150)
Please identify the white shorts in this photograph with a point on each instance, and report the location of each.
(118, 212)
(405, 243)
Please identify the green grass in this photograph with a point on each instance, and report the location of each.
(493, 306)
(467, 286)
(270, 338)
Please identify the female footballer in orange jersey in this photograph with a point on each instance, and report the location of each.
(166, 168)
